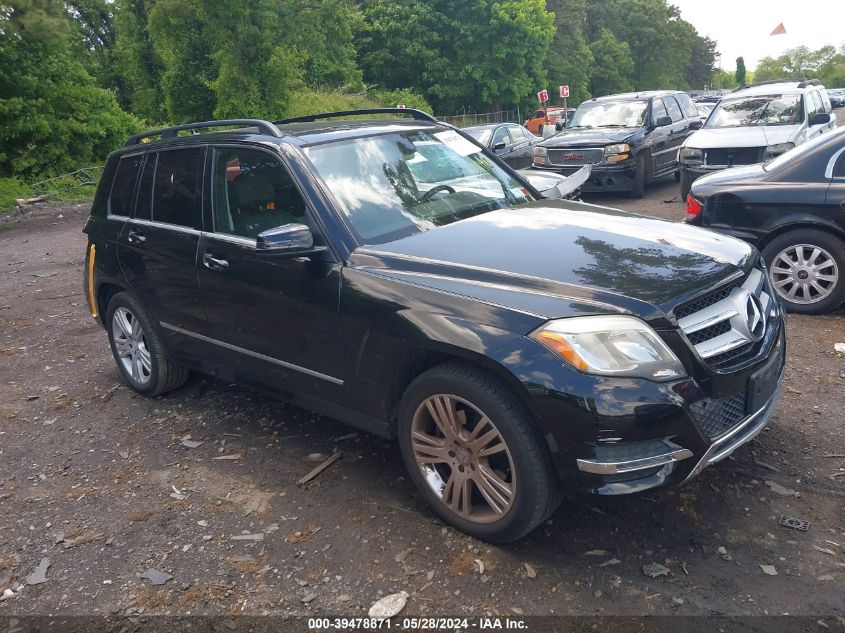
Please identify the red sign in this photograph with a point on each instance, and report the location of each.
(564, 92)
(543, 96)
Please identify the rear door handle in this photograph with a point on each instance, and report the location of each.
(214, 263)
(136, 237)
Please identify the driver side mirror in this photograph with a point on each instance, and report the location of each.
(663, 121)
(498, 147)
(820, 118)
(293, 240)
(696, 125)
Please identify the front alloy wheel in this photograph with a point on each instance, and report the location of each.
(475, 454)
(131, 345)
(463, 458)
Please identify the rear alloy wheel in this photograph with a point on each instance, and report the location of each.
(806, 268)
(138, 349)
(475, 455)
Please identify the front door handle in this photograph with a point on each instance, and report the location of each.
(136, 237)
(214, 263)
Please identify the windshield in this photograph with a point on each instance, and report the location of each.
(610, 114)
(482, 136)
(394, 185)
(763, 110)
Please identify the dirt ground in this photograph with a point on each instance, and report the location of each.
(99, 481)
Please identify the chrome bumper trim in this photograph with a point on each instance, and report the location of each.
(615, 468)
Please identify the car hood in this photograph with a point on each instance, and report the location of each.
(594, 136)
(548, 256)
(751, 136)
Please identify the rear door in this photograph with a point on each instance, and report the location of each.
(661, 141)
(678, 132)
(157, 247)
(278, 314)
(522, 147)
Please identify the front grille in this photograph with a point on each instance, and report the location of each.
(733, 156)
(717, 323)
(573, 157)
(716, 416)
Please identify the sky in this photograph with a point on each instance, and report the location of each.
(742, 27)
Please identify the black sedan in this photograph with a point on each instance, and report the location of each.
(793, 209)
(509, 141)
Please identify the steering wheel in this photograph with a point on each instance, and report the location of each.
(428, 195)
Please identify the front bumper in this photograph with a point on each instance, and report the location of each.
(603, 177)
(621, 436)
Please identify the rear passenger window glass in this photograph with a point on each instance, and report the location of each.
(657, 110)
(812, 106)
(818, 101)
(176, 189)
(501, 136)
(253, 192)
(673, 109)
(826, 106)
(123, 187)
(144, 204)
(839, 167)
(687, 105)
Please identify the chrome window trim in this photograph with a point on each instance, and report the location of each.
(828, 172)
(228, 237)
(241, 350)
(166, 225)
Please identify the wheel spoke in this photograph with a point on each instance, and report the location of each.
(137, 372)
(442, 411)
(827, 263)
(792, 291)
(122, 323)
(146, 360)
(429, 450)
(814, 256)
(496, 492)
(136, 328)
(831, 278)
(782, 282)
(121, 346)
(457, 494)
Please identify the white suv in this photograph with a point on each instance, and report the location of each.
(754, 124)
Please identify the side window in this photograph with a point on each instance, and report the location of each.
(123, 187)
(501, 136)
(144, 203)
(539, 114)
(253, 192)
(657, 110)
(673, 109)
(518, 133)
(687, 105)
(817, 98)
(811, 105)
(826, 106)
(839, 167)
(177, 186)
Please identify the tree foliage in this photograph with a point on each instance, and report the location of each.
(570, 59)
(740, 73)
(612, 65)
(825, 64)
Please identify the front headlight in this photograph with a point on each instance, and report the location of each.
(776, 150)
(540, 154)
(691, 155)
(613, 345)
(618, 148)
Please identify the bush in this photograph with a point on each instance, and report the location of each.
(312, 101)
(10, 190)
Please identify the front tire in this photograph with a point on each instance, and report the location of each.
(138, 349)
(474, 455)
(686, 185)
(638, 186)
(806, 268)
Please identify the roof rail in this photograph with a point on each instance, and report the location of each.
(801, 84)
(417, 115)
(265, 127)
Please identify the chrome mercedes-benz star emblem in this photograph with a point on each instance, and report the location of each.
(755, 317)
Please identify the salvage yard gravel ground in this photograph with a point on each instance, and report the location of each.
(190, 502)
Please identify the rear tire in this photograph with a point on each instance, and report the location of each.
(804, 256)
(452, 415)
(638, 186)
(138, 349)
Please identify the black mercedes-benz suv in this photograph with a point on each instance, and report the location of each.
(629, 139)
(394, 274)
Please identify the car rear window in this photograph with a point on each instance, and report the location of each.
(123, 187)
(176, 188)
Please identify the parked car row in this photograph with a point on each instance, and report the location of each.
(396, 274)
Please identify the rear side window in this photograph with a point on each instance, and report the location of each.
(839, 167)
(144, 203)
(826, 106)
(673, 108)
(501, 136)
(123, 187)
(177, 186)
(811, 104)
(687, 105)
(253, 192)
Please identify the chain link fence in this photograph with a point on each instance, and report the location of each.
(470, 119)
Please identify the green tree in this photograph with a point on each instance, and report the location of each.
(137, 62)
(739, 75)
(722, 79)
(569, 60)
(699, 72)
(612, 65)
(53, 116)
(798, 63)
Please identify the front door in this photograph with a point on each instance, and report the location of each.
(278, 314)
